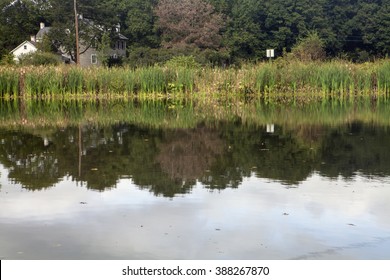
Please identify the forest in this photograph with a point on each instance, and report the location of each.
(216, 31)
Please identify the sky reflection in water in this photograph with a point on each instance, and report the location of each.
(262, 219)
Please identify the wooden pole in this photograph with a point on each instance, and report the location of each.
(80, 150)
(76, 22)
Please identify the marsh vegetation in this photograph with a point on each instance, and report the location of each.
(282, 80)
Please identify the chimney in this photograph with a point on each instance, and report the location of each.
(33, 38)
(42, 25)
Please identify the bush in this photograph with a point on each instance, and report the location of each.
(141, 57)
(217, 57)
(115, 61)
(39, 58)
(309, 48)
(182, 61)
(7, 59)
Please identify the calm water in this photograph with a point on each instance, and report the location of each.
(226, 190)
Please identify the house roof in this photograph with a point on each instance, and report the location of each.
(25, 42)
(42, 32)
(122, 37)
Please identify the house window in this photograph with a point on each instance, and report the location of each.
(123, 45)
(25, 47)
(93, 59)
(94, 43)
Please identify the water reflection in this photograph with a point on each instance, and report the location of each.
(260, 220)
(171, 161)
(173, 184)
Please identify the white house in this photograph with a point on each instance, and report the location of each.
(24, 48)
(88, 56)
(30, 46)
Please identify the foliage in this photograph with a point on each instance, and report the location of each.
(239, 29)
(182, 61)
(46, 45)
(189, 23)
(138, 23)
(104, 48)
(281, 81)
(245, 34)
(310, 48)
(39, 58)
(96, 18)
(7, 59)
(143, 56)
(18, 20)
(9, 82)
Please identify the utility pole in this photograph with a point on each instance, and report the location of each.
(76, 23)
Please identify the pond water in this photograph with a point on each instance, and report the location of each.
(222, 189)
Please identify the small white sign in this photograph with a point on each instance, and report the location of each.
(270, 53)
(270, 128)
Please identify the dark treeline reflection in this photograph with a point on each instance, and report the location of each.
(171, 161)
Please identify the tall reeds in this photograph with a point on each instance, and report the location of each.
(280, 80)
(9, 82)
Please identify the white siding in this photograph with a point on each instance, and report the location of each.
(24, 48)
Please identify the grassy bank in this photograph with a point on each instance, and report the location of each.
(280, 80)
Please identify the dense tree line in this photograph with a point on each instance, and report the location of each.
(216, 30)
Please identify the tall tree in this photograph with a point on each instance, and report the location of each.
(138, 21)
(341, 14)
(382, 31)
(189, 23)
(287, 20)
(245, 34)
(95, 19)
(18, 20)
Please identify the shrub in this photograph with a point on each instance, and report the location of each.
(182, 61)
(309, 48)
(217, 57)
(143, 57)
(7, 59)
(39, 58)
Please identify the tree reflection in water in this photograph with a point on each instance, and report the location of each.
(171, 161)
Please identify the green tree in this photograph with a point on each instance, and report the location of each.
(18, 20)
(309, 48)
(371, 24)
(104, 47)
(7, 59)
(341, 14)
(138, 22)
(245, 34)
(382, 32)
(95, 19)
(189, 24)
(286, 21)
